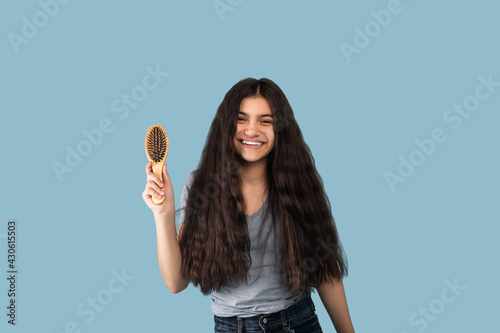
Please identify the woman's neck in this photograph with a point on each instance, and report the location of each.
(254, 178)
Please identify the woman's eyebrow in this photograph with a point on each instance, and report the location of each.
(260, 116)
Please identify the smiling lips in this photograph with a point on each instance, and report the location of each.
(251, 144)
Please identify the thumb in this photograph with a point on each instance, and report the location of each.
(166, 178)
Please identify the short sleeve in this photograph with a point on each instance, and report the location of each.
(184, 196)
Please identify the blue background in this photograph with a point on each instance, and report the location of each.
(357, 116)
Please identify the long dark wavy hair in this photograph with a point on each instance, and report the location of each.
(215, 242)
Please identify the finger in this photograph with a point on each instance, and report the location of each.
(155, 187)
(146, 194)
(149, 167)
(153, 177)
(166, 177)
(152, 193)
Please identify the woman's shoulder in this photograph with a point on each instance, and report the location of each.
(190, 178)
(189, 181)
(185, 193)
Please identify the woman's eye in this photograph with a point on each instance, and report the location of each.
(240, 119)
(267, 121)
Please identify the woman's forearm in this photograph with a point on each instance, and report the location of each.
(169, 253)
(333, 297)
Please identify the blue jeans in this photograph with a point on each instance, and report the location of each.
(297, 318)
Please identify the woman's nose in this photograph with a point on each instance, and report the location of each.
(252, 128)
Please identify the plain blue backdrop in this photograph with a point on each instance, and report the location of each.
(366, 80)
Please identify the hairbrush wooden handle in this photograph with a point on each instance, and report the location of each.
(157, 170)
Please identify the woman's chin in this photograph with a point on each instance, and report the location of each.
(247, 158)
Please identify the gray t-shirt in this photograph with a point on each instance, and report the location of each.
(265, 291)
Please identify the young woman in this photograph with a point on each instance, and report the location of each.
(256, 229)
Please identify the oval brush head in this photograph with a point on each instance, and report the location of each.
(157, 151)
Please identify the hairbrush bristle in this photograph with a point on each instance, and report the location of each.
(156, 143)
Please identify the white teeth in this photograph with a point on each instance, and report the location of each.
(252, 143)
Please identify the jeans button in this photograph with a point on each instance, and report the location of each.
(264, 320)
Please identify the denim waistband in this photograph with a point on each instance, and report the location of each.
(271, 320)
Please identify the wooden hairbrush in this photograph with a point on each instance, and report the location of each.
(157, 151)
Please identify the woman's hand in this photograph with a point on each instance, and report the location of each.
(157, 188)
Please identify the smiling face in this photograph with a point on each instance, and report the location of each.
(254, 138)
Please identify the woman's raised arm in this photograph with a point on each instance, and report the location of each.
(167, 242)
